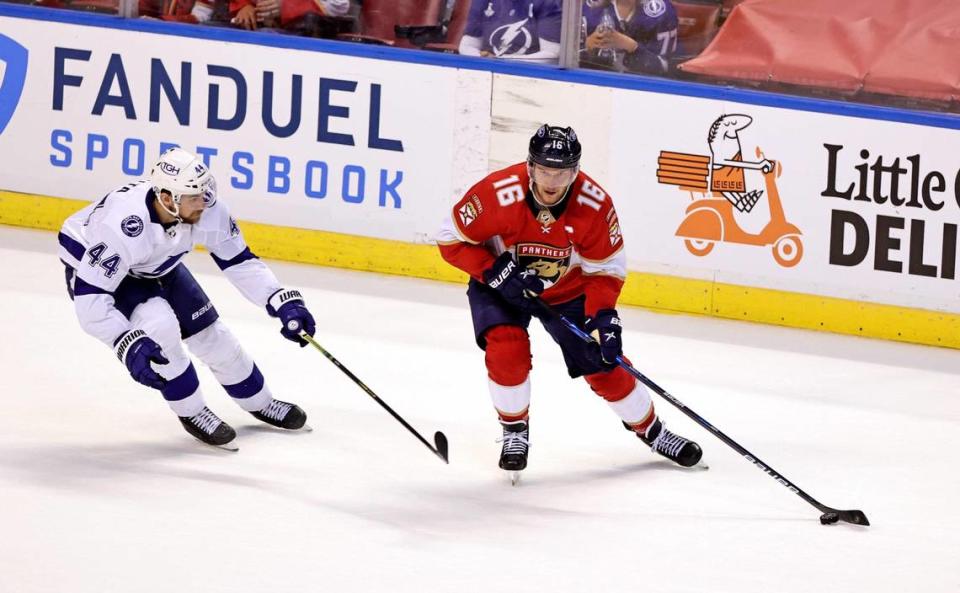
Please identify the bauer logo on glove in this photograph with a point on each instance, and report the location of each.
(606, 329)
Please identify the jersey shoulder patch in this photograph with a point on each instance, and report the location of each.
(469, 210)
(654, 8)
(132, 225)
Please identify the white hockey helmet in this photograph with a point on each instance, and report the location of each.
(181, 173)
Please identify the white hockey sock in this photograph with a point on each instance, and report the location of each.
(511, 402)
(636, 407)
(182, 392)
(188, 406)
(217, 347)
(255, 402)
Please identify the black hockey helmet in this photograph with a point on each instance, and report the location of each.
(556, 147)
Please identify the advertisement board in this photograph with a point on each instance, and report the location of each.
(789, 200)
(295, 138)
(769, 208)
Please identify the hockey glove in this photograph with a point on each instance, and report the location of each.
(288, 306)
(606, 329)
(136, 351)
(516, 285)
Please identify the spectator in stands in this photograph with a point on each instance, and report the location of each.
(283, 14)
(513, 29)
(634, 35)
(292, 13)
(194, 11)
(294, 16)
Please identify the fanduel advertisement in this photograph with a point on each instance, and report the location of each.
(295, 138)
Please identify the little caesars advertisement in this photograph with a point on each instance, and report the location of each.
(814, 203)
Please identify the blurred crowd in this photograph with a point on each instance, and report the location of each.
(648, 37)
(645, 36)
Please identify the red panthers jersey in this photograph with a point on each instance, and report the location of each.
(575, 246)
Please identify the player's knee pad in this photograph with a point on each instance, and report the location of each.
(612, 386)
(508, 354)
(157, 319)
(220, 350)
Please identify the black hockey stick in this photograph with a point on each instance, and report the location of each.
(830, 515)
(440, 450)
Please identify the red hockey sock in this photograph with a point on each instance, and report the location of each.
(508, 355)
(612, 386)
(628, 398)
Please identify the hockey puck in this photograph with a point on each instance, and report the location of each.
(829, 518)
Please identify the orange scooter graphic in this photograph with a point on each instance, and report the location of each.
(710, 219)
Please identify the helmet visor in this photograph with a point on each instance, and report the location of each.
(552, 179)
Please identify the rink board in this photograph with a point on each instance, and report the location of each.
(332, 158)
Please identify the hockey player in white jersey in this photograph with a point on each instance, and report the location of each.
(131, 291)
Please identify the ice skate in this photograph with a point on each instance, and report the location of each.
(516, 445)
(207, 428)
(283, 415)
(674, 447)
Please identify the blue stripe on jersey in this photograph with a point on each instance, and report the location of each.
(181, 386)
(81, 288)
(249, 387)
(73, 247)
(162, 268)
(243, 256)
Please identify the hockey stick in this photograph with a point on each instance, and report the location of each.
(830, 515)
(440, 439)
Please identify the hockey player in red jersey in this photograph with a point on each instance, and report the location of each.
(544, 228)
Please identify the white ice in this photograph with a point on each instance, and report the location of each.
(102, 491)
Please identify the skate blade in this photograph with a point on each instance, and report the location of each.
(514, 477)
(305, 428)
(231, 446)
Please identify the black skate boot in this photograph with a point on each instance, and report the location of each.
(516, 445)
(672, 446)
(282, 415)
(208, 428)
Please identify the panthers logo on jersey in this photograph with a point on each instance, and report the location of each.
(550, 262)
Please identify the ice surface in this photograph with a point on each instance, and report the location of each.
(102, 491)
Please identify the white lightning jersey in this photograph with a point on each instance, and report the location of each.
(121, 235)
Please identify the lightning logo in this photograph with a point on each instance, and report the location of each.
(514, 38)
(14, 56)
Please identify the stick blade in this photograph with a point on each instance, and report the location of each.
(440, 440)
(855, 517)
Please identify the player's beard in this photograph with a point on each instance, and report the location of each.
(193, 219)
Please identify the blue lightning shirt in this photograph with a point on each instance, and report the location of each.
(514, 28)
(652, 23)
